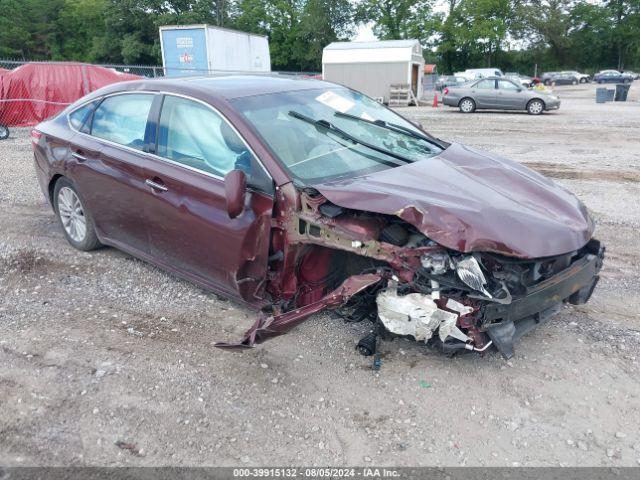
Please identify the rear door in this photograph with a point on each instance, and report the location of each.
(185, 209)
(106, 167)
(484, 93)
(510, 96)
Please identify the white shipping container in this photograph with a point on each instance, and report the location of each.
(198, 49)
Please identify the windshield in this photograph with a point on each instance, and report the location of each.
(325, 134)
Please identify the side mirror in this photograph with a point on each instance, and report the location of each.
(235, 187)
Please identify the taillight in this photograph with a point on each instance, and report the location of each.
(446, 91)
(35, 136)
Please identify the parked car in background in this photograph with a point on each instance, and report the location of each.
(582, 77)
(634, 75)
(477, 73)
(293, 196)
(546, 76)
(499, 93)
(612, 76)
(522, 79)
(562, 79)
(449, 81)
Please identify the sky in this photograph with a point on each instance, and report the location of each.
(365, 33)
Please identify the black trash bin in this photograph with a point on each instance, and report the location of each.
(622, 90)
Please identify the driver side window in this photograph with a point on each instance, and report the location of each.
(194, 135)
(505, 85)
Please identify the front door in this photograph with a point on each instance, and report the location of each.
(510, 96)
(185, 211)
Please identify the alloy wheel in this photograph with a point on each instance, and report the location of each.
(535, 107)
(466, 106)
(72, 214)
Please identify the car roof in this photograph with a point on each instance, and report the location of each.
(224, 87)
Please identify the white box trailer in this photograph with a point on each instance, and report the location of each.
(201, 49)
(372, 67)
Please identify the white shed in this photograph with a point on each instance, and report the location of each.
(372, 67)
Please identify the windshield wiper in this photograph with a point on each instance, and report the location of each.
(329, 127)
(394, 127)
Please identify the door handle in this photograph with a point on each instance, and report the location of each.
(156, 185)
(79, 156)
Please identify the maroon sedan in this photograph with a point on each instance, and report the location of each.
(297, 195)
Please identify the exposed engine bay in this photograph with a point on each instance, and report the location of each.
(380, 268)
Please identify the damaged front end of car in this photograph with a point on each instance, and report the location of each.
(380, 267)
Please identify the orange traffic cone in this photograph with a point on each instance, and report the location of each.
(435, 101)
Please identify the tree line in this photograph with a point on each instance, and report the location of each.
(457, 34)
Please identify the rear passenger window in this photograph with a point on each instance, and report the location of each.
(123, 119)
(196, 136)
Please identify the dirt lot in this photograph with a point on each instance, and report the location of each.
(100, 348)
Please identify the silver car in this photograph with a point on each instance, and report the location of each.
(499, 94)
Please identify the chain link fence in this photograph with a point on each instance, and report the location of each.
(32, 91)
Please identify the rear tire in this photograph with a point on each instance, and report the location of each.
(574, 82)
(583, 80)
(76, 221)
(535, 107)
(467, 105)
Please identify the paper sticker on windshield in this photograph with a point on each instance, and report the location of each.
(335, 101)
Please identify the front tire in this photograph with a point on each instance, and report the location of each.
(535, 107)
(583, 80)
(4, 132)
(467, 105)
(76, 221)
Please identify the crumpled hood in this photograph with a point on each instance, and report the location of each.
(469, 200)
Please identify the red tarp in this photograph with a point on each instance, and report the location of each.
(36, 91)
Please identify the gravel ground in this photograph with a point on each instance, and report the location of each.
(106, 360)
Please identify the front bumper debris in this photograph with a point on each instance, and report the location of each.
(267, 327)
(505, 324)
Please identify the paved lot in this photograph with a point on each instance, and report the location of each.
(101, 348)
